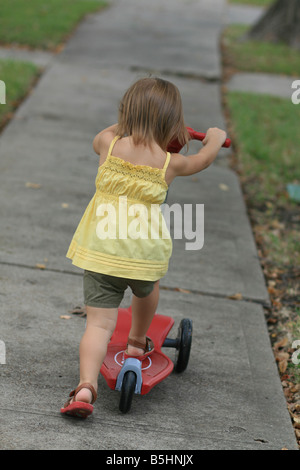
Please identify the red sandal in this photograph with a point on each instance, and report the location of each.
(148, 348)
(79, 409)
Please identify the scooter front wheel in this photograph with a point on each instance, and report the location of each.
(127, 391)
(184, 340)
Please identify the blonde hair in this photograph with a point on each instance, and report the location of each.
(151, 110)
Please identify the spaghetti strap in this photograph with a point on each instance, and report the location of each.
(166, 163)
(112, 145)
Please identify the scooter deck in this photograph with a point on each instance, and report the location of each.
(155, 368)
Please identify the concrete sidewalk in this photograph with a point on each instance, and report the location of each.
(230, 397)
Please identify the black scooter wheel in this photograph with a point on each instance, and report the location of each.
(127, 391)
(183, 349)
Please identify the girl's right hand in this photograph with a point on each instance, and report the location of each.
(215, 135)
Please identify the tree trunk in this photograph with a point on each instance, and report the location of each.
(280, 23)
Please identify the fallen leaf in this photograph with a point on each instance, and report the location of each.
(282, 356)
(40, 266)
(272, 291)
(283, 366)
(33, 185)
(224, 187)
(65, 317)
(276, 224)
(296, 421)
(236, 296)
(285, 377)
(178, 289)
(280, 344)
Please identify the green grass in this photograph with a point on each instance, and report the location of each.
(268, 134)
(42, 23)
(265, 129)
(256, 3)
(259, 56)
(18, 77)
(295, 327)
(283, 246)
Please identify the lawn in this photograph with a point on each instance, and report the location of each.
(265, 130)
(42, 24)
(258, 56)
(34, 24)
(18, 78)
(256, 3)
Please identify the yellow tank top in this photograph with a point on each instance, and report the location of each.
(123, 232)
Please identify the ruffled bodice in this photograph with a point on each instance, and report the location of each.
(142, 183)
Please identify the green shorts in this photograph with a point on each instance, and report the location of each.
(103, 291)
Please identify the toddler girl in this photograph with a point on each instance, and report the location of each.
(122, 239)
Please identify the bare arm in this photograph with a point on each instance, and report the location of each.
(185, 166)
(104, 138)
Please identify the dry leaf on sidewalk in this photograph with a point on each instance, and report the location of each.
(33, 185)
(65, 317)
(40, 266)
(178, 289)
(237, 296)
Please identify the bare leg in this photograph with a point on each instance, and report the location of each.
(100, 326)
(143, 310)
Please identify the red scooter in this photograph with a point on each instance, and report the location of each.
(132, 376)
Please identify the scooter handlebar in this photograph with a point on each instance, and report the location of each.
(175, 146)
(201, 136)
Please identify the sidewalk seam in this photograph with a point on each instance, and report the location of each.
(264, 304)
(177, 73)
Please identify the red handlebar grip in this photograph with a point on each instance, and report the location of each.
(200, 136)
(175, 146)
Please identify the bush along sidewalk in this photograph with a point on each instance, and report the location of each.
(266, 140)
